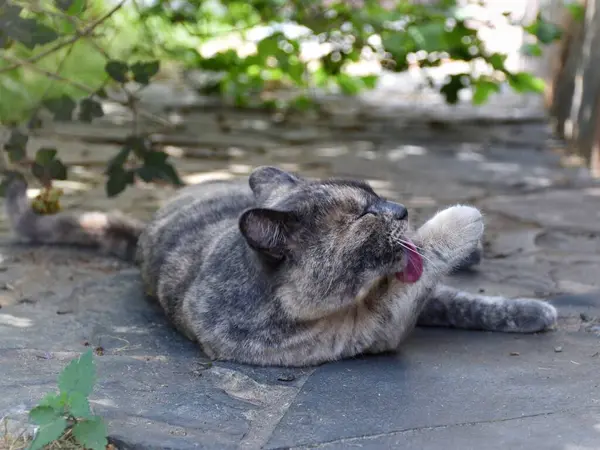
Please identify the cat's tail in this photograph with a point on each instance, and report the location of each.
(113, 233)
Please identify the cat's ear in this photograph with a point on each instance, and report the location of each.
(264, 179)
(268, 230)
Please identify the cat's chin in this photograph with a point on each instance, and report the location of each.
(413, 268)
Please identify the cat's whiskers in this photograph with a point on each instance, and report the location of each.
(405, 244)
(411, 243)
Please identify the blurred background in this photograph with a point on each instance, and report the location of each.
(130, 95)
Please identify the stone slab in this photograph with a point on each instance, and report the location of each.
(570, 210)
(442, 378)
(444, 389)
(154, 387)
(555, 431)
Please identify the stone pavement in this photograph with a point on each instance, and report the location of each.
(444, 389)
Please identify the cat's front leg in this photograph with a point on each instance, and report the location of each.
(449, 237)
(449, 307)
(443, 241)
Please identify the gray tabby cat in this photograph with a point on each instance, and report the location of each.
(293, 272)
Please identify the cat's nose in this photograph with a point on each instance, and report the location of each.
(394, 210)
(398, 211)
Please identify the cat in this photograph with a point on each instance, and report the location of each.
(284, 271)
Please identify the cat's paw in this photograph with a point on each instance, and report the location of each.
(453, 234)
(463, 224)
(527, 315)
(473, 259)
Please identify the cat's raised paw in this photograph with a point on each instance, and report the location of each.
(463, 222)
(453, 233)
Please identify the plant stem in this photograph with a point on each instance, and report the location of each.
(30, 65)
(88, 90)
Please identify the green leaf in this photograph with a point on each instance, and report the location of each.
(370, 81)
(546, 32)
(61, 107)
(57, 170)
(156, 168)
(483, 90)
(39, 172)
(29, 32)
(64, 5)
(532, 50)
(102, 93)
(48, 433)
(46, 167)
(429, 36)
(144, 71)
(497, 61)
(118, 160)
(45, 155)
(79, 406)
(17, 139)
(89, 110)
(138, 144)
(91, 434)
(320, 77)
(79, 375)
(269, 46)
(526, 82)
(296, 72)
(396, 44)
(55, 401)
(224, 61)
(577, 11)
(117, 70)
(71, 7)
(16, 154)
(118, 180)
(155, 158)
(16, 147)
(170, 174)
(451, 89)
(348, 84)
(302, 103)
(43, 415)
(147, 174)
(332, 64)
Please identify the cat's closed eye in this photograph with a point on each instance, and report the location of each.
(366, 213)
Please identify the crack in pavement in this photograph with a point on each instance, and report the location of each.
(430, 428)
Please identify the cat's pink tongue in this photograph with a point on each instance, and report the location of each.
(414, 266)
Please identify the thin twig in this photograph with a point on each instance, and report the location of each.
(86, 31)
(76, 22)
(30, 65)
(131, 102)
(58, 70)
(82, 87)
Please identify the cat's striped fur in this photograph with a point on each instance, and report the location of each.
(286, 271)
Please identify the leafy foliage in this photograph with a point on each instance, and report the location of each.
(61, 56)
(69, 409)
(152, 166)
(79, 376)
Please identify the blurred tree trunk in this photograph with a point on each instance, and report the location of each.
(574, 89)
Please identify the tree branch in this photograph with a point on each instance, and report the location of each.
(30, 65)
(88, 90)
(86, 31)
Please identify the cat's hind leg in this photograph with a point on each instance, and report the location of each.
(449, 307)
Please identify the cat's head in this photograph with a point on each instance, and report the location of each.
(332, 238)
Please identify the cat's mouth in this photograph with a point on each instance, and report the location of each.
(413, 267)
